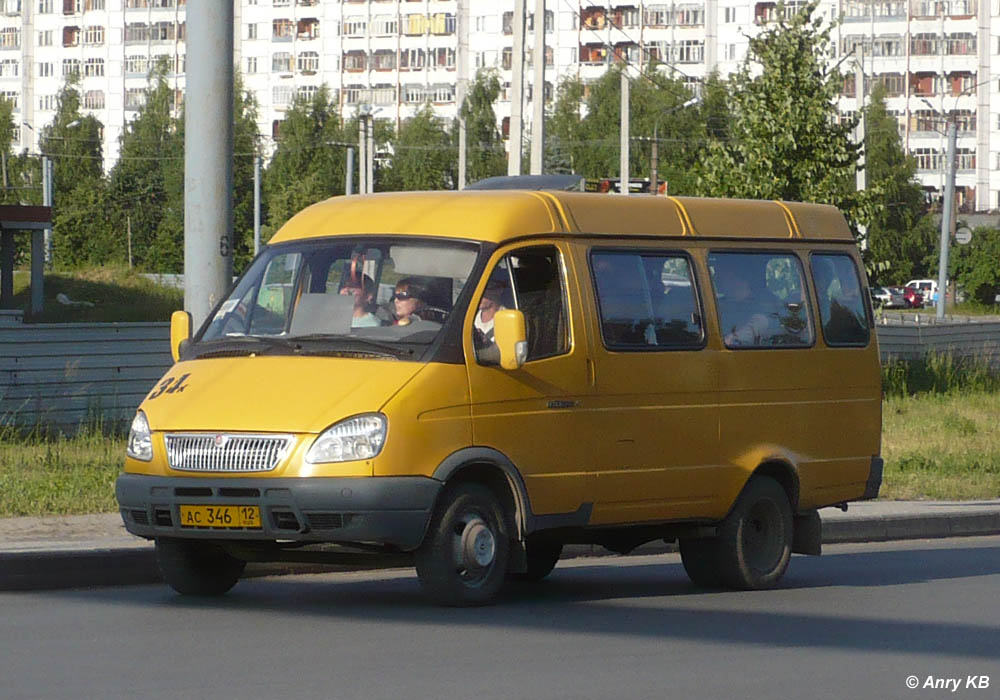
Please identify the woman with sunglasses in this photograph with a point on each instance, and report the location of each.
(408, 301)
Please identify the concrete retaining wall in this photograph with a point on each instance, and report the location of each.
(65, 374)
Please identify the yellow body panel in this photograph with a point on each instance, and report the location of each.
(638, 436)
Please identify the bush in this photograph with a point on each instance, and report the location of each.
(938, 373)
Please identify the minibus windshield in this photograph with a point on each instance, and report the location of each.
(368, 295)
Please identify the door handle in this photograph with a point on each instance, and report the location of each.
(563, 404)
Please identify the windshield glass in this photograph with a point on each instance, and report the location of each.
(377, 295)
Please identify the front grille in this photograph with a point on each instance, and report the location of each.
(226, 453)
(139, 517)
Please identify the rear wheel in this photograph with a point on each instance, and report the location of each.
(463, 558)
(197, 568)
(755, 539)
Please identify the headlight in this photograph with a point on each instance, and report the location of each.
(140, 440)
(360, 437)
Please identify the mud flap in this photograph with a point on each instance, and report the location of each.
(807, 536)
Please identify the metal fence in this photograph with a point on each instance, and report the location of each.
(63, 375)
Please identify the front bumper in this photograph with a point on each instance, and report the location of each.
(379, 510)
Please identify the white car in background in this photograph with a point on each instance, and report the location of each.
(888, 298)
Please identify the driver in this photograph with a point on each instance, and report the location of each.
(408, 300)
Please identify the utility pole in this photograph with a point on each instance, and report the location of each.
(47, 201)
(362, 155)
(654, 162)
(859, 92)
(538, 93)
(623, 129)
(516, 91)
(349, 172)
(462, 85)
(946, 214)
(256, 205)
(208, 158)
(370, 152)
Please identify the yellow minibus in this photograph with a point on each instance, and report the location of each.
(480, 378)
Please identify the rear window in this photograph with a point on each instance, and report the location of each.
(841, 303)
(761, 300)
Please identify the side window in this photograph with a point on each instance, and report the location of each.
(531, 281)
(761, 300)
(646, 300)
(841, 304)
(275, 295)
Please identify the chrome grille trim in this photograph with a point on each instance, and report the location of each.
(197, 452)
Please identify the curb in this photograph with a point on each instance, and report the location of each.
(59, 569)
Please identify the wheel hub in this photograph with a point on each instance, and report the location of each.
(478, 545)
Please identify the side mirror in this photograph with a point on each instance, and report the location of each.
(511, 338)
(180, 332)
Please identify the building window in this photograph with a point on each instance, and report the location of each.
(135, 98)
(307, 62)
(308, 29)
(136, 65)
(282, 30)
(441, 94)
(355, 26)
(9, 68)
(14, 97)
(282, 95)
(689, 15)
(355, 61)
(384, 59)
(10, 38)
(251, 64)
(354, 94)
(163, 31)
(94, 5)
(46, 70)
(251, 31)
(45, 38)
(412, 59)
(93, 35)
(93, 99)
(385, 25)
(72, 7)
(48, 102)
(70, 66)
(281, 62)
(383, 94)
(442, 23)
(306, 93)
(136, 33)
(415, 25)
(442, 58)
(71, 36)
(93, 68)
(45, 7)
(729, 15)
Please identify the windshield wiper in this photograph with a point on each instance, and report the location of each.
(238, 346)
(347, 343)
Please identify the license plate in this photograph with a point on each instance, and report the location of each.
(220, 516)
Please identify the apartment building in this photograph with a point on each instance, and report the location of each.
(392, 56)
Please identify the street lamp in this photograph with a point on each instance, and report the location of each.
(655, 152)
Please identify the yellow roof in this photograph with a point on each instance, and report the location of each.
(501, 215)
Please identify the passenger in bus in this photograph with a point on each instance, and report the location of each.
(363, 291)
(408, 301)
(491, 302)
(744, 318)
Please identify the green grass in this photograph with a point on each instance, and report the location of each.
(59, 475)
(118, 294)
(938, 374)
(941, 446)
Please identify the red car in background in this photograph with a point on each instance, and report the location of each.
(913, 298)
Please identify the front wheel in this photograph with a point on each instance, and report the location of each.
(542, 557)
(197, 568)
(463, 558)
(755, 540)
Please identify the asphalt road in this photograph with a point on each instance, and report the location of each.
(855, 623)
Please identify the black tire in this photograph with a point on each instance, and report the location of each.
(197, 568)
(542, 558)
(755, 539)
(463, 558)
(701, 562)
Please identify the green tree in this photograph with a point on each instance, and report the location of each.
(564, 140)
(785, 140)
(151, 159)
(80, 223)
(308, 164)
(899, 231)
(423, 155)
(974, 266)
(486, 155)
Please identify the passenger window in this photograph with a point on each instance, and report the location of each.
(841, 304)
(761, 300)
(646, 300)
(275, 295)
(530, 281)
